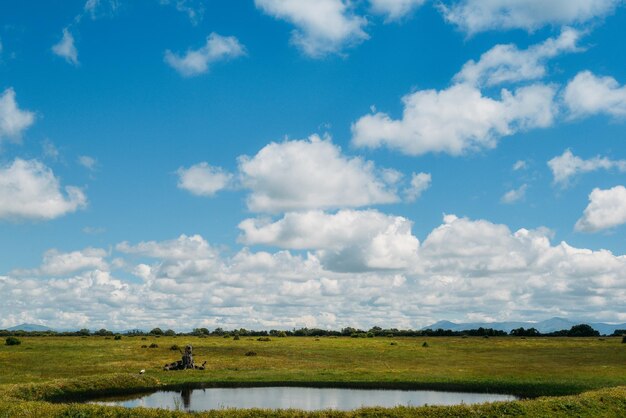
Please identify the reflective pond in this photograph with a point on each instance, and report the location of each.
(304, 398)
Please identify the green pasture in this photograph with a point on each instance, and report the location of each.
(523, 366)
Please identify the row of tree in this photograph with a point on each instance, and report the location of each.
(582, 330)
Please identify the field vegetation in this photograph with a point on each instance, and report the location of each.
(43, 369)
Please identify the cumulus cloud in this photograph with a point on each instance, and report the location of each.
(56, 263)
(346, 241)
(587, 94)
(464, 268)
(195, 62)
(312, 174)
(456, 120)
(474, 16)
(506, 63)
(184, 247)
(29, 189)
(194, 9)
(65, 48)
(394, 9)
(606, 209)
(420, 182)
(568, 165)
(321, 27)
(515, 195)
(13, 120)
(202, 179)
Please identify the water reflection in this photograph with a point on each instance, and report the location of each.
(308, 399)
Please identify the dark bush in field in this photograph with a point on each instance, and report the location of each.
(393, 343)
(263, 339)
(156, 331)
(624, 339)
(12, 341)
(144, 346)
(236, 338)
(143, 338)
(174, 348)
(425, 344)
(250, 353)
(169, 333)
(117, 337)
(370, 335)
(153, 345)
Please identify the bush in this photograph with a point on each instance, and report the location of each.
(370, 335)
(117, 337)
(425, 344)
(624, 339)
(236, 338)
(393, 343)
(156, 331)
(263, 339)
(282, 334)
(144, 346)
(153, 345)
(250, 353)
(143, 338)
(175, 348)
(12, 341)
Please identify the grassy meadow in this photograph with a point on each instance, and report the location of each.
(523, 366)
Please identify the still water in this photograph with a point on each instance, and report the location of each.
(308, 399)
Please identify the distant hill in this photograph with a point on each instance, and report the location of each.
(549, 325)
(29, 327)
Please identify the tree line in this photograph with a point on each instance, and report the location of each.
(581, 330)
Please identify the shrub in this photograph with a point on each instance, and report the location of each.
(250, 353)
(425, 344)
(393, 343)
(144, 346)
(228, 336)
(12, 341)
(624, 339)
(117, 337)
(174, 348)
(236, 338)
(263, 339)
(153, 345)
(282, 334)
(370, 335)
(143, 338)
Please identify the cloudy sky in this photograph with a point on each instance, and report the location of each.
(328, 163)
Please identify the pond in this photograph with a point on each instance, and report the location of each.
(304, 398)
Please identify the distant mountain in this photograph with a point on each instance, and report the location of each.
(29, 327)
(549, 325)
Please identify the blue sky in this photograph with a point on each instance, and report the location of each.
(291, 163)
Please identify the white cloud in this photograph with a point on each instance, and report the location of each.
(183, 248)
(29, 189)
(202, 179)
(88, 162)
(464, 269)
(568, 165)
(587, 94)
(312, 174)
(346, 241)
(420, 182)
(194, 9)
(520, 165)
(456, 120)
(506, 63)
(322, 26)
(65, 48)
(394, 9)
(13, 120)
(99, 8)
(474, 16)
(515, 195)
(195, 62)
(56, 263)
(606, 209)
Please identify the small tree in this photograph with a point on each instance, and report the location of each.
(12, 341)
(582, 330)
(156, 331)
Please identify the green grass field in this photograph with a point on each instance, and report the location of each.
(527, 367)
